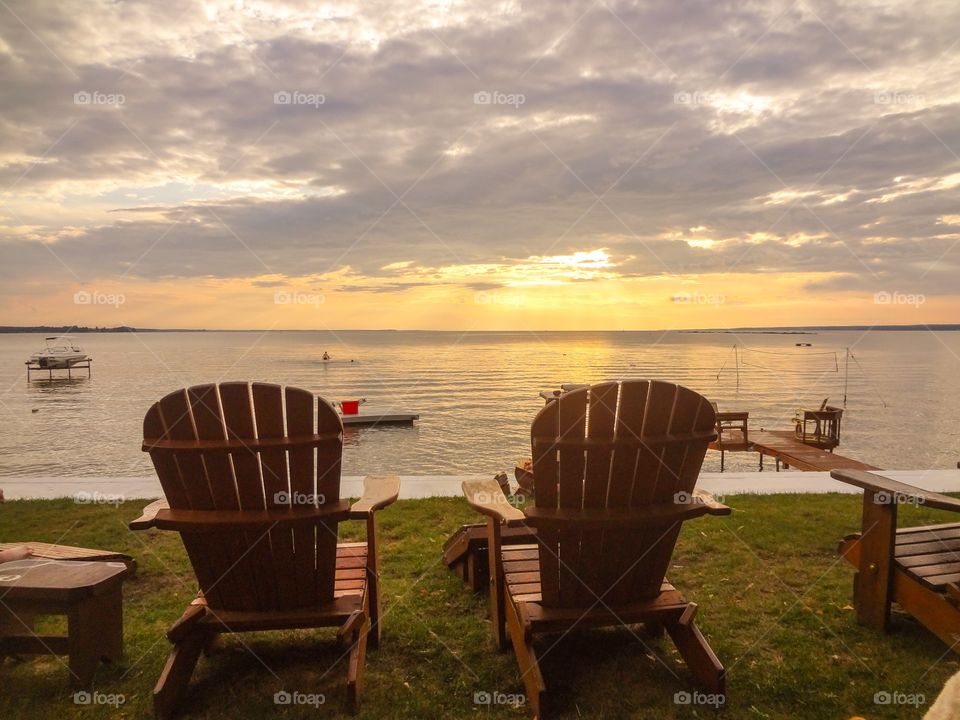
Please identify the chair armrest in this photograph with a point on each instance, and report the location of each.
(687, 507)
(486, 497)
(713, 507)
(378, 492)
(217, 521)
(148, 515)
(895, 491)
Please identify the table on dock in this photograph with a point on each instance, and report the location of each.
(786, 449)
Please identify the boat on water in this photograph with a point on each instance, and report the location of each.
(60, 352)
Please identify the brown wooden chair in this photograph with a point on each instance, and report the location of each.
(819, 428)
(252, 482)
(614, 467)
(733, 433)
(916, 567)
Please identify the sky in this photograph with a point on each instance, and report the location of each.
(479, 165)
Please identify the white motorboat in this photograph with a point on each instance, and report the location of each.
(60, 352)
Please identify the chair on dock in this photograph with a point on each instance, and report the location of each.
(916, 567)
(819, 428)
(614, 466)
(732, 433)
(252, 482)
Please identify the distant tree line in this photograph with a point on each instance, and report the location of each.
(77, 329)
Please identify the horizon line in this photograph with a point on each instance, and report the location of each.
(32, 329)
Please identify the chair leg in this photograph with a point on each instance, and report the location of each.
(373, 583)
(875, 576)
(213, 644)
(533, 682)
(653, 630)
(356, 665)
(172, 685)
(494, 559)
(696, 652)
(374, 622)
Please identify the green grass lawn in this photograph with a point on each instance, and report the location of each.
(774, 601)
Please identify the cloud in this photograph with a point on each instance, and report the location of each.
(454, 145)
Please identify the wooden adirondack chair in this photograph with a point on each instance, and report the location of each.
(916, 567)
(252, 482)
(614, 467)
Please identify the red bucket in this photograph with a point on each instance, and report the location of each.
(350, 407)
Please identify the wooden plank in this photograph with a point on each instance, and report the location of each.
(602, 418)
(573, 423)
(632, 474)
(63, 581)
(237, 405)
(268, 415)
(333, 613)
(240, 446)
(238, 578)
(905, 551)
(178, 425)
(329, 458)
(902, 532)
(521, 566)
(303, 484)
(936, 577)
(238, 419)
(670, 410)
(783, 445)
(948, 557)
(521, 578)
(546, 469)
(67, 552)
(691, 417)
(327, 482)
(209, 562)
(165, 466)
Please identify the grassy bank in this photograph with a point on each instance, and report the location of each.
(774, 601)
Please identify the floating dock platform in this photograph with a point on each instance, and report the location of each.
(33, 367)
(369, 419)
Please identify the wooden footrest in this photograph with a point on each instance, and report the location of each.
(465, 552)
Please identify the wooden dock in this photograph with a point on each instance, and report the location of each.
(787, 450)
(370, 419)
(34, 367)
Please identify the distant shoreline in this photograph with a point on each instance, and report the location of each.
(82, 329)
(775, 330)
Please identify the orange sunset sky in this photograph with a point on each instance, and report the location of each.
(476, 166)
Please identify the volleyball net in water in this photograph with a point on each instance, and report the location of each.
(800, 361)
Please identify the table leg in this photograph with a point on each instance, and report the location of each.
(95, 628)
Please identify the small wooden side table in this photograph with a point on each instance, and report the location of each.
(90, 594)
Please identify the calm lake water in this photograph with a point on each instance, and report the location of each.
(477, 392)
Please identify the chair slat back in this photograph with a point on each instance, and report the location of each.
(625, 444)
(278, 569)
